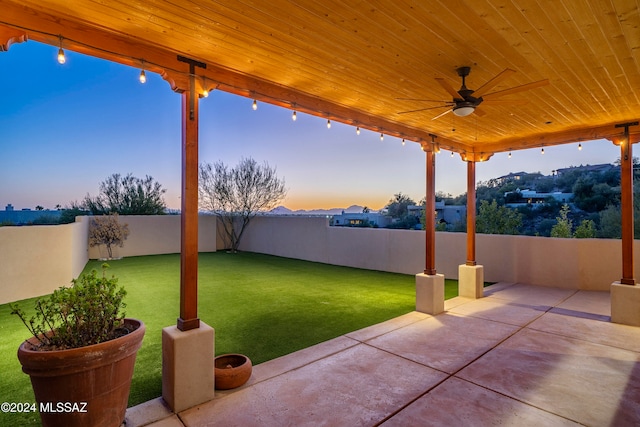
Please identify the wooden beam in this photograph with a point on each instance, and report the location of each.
(471, 213)
(626, 205)
(9, 36)
(568, 136)
(189, 216)
(429, 214)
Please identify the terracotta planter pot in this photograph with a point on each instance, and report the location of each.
(231, 371)
(86, 386)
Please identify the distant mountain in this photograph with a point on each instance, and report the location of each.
(282, 210)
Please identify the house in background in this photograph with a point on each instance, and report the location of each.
(524, 197)
(360, 219)
(448, 214)
(27, 216)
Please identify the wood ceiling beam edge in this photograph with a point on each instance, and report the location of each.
(608, 131)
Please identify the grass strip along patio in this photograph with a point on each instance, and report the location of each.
(259, 305)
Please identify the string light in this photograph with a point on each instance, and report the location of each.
(61, 58)
(143, 76)
(358, 130)
(542, 151)
(255, 105)
(205, 91)
(381, 137)
(452, 154)
(509, 154)
(403, 142)
(294, 116)
(580, 147)
(328, 124)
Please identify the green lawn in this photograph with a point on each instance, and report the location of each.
(259, 305)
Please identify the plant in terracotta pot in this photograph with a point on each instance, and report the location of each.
(82, 352)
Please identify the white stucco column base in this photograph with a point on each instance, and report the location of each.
(471, 281)
(187, 366)
(625, 304)
(430, 293)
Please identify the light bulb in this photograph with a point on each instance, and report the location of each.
(452, 154)
(255, 105)
(509, 154)
(381, 137)
(143, 77)
(328, 124)
(403, 142)
(358, 130)
(580, 147)
(205, 93)
(61, 58)
(294, 116)
(542, 151)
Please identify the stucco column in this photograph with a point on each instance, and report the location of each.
(471, 275)
(429, 285)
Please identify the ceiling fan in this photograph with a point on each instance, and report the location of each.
(466, 101)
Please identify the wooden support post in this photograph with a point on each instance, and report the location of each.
(626, 204)
(430, 216)
(471, 213)
(189, 219)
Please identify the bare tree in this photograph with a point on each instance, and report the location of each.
(107, 230)
(236, 195)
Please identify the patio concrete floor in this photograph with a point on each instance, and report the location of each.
(522, 356)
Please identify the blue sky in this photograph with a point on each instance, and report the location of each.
(65, 128)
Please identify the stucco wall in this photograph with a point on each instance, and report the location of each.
(36, 260)
(590, 264)
(160, 234)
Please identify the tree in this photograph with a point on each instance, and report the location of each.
(586, 230)
(127, 195)
(494, 219)
(106, 230)
(610, 223)
(563, 225)
(69, 213)
(236, 195)
(397, 206)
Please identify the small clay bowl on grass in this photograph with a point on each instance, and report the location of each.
(231, 371)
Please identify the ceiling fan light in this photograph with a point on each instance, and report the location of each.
(463, 111)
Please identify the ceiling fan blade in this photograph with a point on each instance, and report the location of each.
(421, 99)
(493, 82)
(446, 86)
(442, 114)
(498, 101)
(422, 109)
(516, 89)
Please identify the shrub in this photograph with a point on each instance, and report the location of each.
(88, 312)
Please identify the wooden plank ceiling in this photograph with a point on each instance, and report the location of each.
(351, 61)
